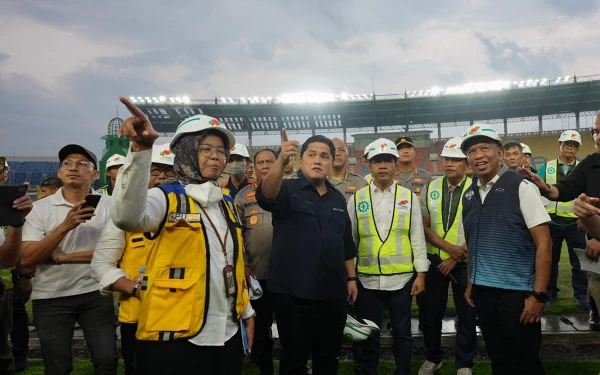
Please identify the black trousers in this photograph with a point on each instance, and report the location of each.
(19, 335)
(129, 346)
(513, 348)
(262, 350)
(7, 365)
(309, 327)
(183, 357)
(432, 308)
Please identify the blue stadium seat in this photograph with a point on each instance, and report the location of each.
(33, 172)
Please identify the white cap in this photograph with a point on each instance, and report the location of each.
(241, 150)
(162, 154)
(570, 135)
(526, 149)
(198, 123)
(479, 130)
(115, 161)
(382, 146)
(452, 149)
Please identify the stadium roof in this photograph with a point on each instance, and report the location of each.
(567, 98)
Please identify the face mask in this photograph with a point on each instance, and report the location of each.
(236, 169)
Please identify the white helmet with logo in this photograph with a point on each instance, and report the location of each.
(366, 153)
(357, 331)
(115, 161)
(382, 146)
(161, 154)
(526, 149)
(478, 131)
(241, 150)
(570, 135)
(198, 123)
(452, 149)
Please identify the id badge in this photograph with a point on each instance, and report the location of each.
(230, 286)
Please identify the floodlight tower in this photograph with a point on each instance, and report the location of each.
(114, 145)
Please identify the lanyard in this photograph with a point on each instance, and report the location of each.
(223, 241)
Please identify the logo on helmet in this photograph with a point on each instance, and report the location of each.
(384, 145)
(165, 153)
(474, 130)
(214, 122)
(573, 135)
(452, 146)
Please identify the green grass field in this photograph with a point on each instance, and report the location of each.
(83, 367)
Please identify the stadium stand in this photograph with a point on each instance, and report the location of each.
(33, 172)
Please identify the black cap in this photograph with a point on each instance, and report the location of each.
(77, 149)
(404, 140)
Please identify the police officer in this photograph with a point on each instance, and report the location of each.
(387, 229)
(237, 166)
(347, 183)
(112, 170)
(441, 207)
(563, 226)
(409, 176)
(527, 158)
(509, 255)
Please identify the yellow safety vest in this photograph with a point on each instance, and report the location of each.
(175, 294)
(134, 257)
(392, 255)
(562, 209)
(455, 234)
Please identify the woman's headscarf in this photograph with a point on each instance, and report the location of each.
(186, 163)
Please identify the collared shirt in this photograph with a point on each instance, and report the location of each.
(349, 184)
(258, 231)
(584, 178)
(233, 190)
(530, 201)
(109, 250)
(450, 201)
(415, 181)
(383, 212)
(53, 281)
(312, 238)
(144, 210)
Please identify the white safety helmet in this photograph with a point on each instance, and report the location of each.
(570, 135)
(115, 161)
(479, 130)
(526, 149)
(452, 149)
(355, 331)
(366, 153)
(162, 154)
(382, 146)
(241, 150)
(198, 123)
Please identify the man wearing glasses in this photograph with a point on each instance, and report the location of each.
(563, 226)
(60, 236)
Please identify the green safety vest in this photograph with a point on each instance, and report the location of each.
(392, 255)
(455, 234)
(562, 209)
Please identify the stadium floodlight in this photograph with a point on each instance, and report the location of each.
(154, 98)
(132, 99)
(522, 83)
(269, 98)
(435, 91)
(178, 99)
(230, 100)
(162, 99)
(223, 99)
(343, 96)
(567, 78)
(242, 100)
(544, 80)
(147, 99)
(558, 79)
(515, 83)
(186, 99)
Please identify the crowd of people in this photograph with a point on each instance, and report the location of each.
(207, 246)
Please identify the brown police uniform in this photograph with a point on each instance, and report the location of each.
(257, 231)
(418, 179)
(349, 184)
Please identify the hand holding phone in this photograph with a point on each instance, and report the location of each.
(91, 201)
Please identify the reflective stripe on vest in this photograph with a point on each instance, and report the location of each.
(174, 304)
(392, 255)
(455, 234)
(134, 257)
(562, 209)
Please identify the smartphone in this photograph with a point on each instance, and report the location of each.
(91, 200)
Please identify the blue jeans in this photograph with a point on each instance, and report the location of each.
(54, 319)
(575, 239)
(370, 305)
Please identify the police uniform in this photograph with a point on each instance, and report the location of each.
(349, 184)
(418, 179)
(231, 187)
(258, 236)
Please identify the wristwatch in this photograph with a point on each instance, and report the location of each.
(542, 297)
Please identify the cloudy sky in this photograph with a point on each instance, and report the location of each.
(64, 63)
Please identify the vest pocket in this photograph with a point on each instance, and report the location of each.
(171, 305)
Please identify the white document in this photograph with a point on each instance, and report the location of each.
(587, 263)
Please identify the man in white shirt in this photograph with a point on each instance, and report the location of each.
(387, 228)
(60, 236)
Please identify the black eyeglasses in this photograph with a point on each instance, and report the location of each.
(155, 171)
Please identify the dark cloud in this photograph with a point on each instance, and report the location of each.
(510, 57)
(571, 8)
(4, 56)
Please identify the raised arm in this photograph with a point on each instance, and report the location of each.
(272, 182)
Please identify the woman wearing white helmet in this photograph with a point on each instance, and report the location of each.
(193, 295)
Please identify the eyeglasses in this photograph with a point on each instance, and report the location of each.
(207, 150)
(81, 164)
(155, 171)
(570, 144)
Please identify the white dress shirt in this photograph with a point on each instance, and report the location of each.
(109, 251)
(383, 211)
(139, 210)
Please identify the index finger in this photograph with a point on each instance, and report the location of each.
(132, 108)
(284, 135)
